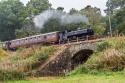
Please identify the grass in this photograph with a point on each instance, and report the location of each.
(110, 55)
(83, 78)
(24, 60)
(3, 53)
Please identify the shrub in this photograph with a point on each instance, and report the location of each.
(103, 46)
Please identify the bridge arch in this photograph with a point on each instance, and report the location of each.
(80, 57)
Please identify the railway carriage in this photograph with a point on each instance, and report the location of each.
(42, 38)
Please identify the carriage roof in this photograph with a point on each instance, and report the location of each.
(35, 36)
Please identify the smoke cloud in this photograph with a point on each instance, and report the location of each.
(41, 19)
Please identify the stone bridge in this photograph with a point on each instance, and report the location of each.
(73, 55)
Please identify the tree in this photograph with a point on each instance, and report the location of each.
(114, 4)
(73, 11)
(33, 7)
(95, 18)
(11, 18)
(117, 8)
(93, 14)
(60, 8)
(37, 6)
(52, 25)
(21, 33)
(120, 20)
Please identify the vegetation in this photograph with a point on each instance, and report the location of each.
(13, 15)
(107, 77)
(109, 57)
(16, 20)
(95, 18)
(117, 14)
(3, 53)
(23, 61)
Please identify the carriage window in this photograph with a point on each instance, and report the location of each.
(16, 42)
(30, 39)
(26, 40)
(45, 37)
(22, 41)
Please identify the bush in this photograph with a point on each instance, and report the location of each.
(103, 46)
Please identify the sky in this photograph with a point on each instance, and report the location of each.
(77, 4)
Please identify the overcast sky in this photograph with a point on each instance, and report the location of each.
(77, 4)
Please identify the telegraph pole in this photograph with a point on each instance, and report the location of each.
(109, 16)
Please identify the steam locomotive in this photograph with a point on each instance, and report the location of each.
(49, 38)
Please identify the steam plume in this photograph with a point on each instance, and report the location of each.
(41, 19)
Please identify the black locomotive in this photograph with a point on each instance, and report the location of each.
(69, 35)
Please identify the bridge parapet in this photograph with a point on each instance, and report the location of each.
(78, 47)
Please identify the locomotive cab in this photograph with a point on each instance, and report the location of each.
(90, 31)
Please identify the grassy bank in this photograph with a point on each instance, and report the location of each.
(3, 53)
(109, 56)
(84, 78)
(17, 64)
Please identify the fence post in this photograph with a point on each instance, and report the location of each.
(68, 40)
(77, 39)
(87, 37)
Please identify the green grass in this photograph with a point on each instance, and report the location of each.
(84, 78)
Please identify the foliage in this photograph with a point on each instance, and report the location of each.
(106, 77)
(95, 19)
(11, 17)
(60, 8)
(20, 33)
(16, 20)
(11, 75)
(73, 11)
(120, 20)
(117, 9)
(3, 53)
(115, 4)
(109, 56)
(51, 25)
(37, 6)
(23, 61)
